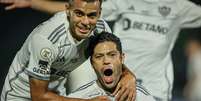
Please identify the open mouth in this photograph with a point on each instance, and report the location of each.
(84, 29)
(108, 72)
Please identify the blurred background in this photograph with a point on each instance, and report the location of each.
(15, 26)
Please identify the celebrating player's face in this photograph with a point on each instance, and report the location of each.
(107, 62)
(83, 17)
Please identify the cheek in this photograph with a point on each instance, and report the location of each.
(93, 22)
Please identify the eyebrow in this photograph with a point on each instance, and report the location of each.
(110, 52)
(92, 14)
(89, 14)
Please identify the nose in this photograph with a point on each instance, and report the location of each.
(85, 20)
(106, 60)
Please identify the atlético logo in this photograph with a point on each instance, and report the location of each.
(164, 10)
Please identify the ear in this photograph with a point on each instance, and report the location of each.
(122, 57)
(100, 12)
(67, 6)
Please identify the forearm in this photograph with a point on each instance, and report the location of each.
(40, 92)
(50, 96)
(48, 6)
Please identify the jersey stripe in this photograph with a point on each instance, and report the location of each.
(59, 37)
(142, 89)
(55, 31)
(85, 86)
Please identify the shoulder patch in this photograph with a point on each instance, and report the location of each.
(46, 53)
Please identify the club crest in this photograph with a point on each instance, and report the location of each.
(164, 10)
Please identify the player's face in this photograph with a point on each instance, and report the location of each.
(107, 62)
(83, 17)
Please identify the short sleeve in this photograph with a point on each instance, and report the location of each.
(191, 16)
(102, 26)
(42, 54)
(109, 10)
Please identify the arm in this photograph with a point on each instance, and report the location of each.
(48, 6)
(41, 5)
(39, 92)
(126, 88)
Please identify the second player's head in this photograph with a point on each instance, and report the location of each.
(107, 59)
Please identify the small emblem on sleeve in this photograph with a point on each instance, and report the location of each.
(46, 53)
(43, 64)
(44, 69)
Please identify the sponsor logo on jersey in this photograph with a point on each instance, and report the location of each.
(164, 10)
(43, 64)
(43, 68)
(128, 24)
(46, 53)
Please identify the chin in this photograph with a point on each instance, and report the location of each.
(83, 35)
(110, 86)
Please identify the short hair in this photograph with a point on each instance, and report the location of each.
(71, 1)
(103, 37)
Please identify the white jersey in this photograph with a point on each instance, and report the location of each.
(49, 53)
(91, 90)
(148, 30)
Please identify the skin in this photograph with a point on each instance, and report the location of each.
(83, 18)
(106, 55)
(47, 6)
(39, 88)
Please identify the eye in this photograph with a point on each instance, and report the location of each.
(92, 15)
(113, 54)
(78, 13)
(98, 56)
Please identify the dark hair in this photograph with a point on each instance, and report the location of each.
(103, 37)
(71, 1)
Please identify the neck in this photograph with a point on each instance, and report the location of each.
(107, 90)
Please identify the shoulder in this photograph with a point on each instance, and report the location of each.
(102, 25)
(55, 25)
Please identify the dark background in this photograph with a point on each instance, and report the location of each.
(15, 26)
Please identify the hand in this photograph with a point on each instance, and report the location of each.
(16, 4)
(126, 88)
(100, 98)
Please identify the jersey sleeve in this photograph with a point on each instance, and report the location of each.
(142, 94)
(109, 10)
(101, 26)
(42, 54)
(191, 16)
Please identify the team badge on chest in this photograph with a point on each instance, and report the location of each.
(164, 10)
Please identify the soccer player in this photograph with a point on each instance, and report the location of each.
(107, 59)
(56, 47)
(148, 30)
